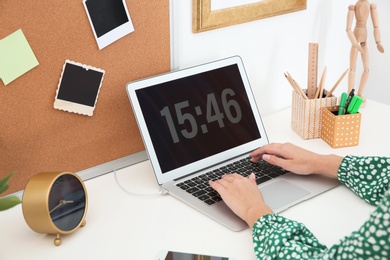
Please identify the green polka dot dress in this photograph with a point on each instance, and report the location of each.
(276, 237)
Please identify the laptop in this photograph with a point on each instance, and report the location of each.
(202, 122)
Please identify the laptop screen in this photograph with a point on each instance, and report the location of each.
(196, 115)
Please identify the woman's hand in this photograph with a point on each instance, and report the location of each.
(242, 196)
(298, 160)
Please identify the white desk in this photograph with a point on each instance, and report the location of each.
(120, 226)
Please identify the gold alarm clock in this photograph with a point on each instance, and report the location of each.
(55, 203)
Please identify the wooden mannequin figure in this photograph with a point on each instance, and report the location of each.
(358, 37)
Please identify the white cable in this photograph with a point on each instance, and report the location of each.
(160, 192)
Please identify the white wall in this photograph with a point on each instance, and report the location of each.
(275, 45)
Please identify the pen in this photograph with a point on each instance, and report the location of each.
(350, 96)
(343, 102)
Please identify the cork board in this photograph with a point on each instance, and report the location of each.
(35, 137)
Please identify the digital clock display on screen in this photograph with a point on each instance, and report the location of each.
(194, 117)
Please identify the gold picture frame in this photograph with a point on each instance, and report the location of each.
(204, 19)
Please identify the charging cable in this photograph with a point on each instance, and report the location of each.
(161, 191)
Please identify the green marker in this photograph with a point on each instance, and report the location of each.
(343, 102)
(354, 105)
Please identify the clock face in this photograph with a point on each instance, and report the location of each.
(67, 202)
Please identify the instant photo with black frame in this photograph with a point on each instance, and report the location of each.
(79, 88)
(109, 19)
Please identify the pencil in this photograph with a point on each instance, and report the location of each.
(300, 90)
(320, 88)
(337, 83)
(291, 83)
(295, 85)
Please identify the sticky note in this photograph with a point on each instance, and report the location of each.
(16, 57)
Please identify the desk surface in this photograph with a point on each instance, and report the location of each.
(123, 226)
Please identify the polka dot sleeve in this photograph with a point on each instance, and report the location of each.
(367, 176)
(372, 240)
(276, 237)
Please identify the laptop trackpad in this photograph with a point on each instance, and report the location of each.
(281, 193)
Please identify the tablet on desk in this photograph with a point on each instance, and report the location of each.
(171, 255)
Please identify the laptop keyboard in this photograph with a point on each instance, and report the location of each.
(200, 188)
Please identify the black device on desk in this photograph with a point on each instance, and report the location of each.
(171, 255)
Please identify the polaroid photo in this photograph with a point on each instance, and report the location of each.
(79, 88)
(109, 19)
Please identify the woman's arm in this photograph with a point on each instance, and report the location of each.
(276, 237)
(367, 176)
(245, 199)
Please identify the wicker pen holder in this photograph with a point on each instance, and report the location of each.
(306, 114)
(340, 130)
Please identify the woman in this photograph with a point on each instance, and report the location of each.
(276, 237)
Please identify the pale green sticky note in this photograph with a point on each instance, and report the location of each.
(16, 57)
